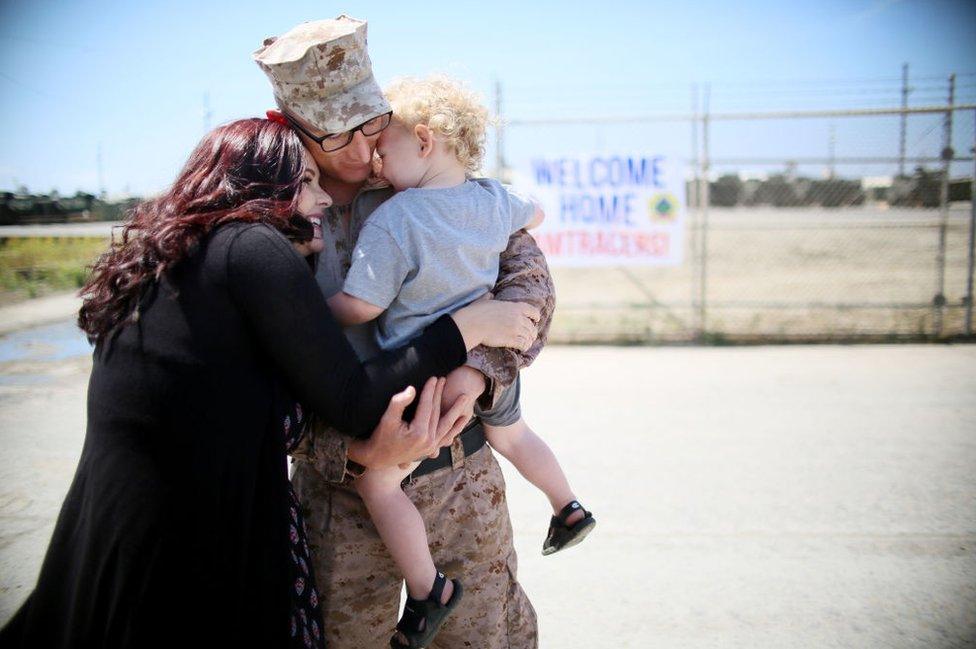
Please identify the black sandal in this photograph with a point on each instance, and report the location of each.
(561, 535)
(422, 618)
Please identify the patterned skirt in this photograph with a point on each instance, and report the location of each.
(305, 623)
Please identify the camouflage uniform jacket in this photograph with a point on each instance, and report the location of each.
(523, 276)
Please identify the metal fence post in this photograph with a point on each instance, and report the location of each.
(693, 215)
(703, 220)
(972, 239)
(904, 120)
(939, 301)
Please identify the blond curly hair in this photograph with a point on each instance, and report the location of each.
(449, 109)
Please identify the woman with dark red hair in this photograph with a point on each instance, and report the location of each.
(178, 529)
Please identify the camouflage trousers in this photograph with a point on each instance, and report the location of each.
(470, 536)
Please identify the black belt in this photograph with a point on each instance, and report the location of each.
(472, 439)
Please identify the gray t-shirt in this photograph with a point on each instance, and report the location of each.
(427, 252)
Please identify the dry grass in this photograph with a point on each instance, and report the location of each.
(773, 275)
(34, 266)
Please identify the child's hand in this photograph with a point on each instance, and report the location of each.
(537, 217)
(464, 386)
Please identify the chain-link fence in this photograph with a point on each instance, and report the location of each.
(852, 224)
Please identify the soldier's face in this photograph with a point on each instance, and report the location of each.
(350, 164)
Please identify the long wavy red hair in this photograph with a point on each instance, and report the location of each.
(250, 170)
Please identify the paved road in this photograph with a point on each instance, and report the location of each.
(746, 497)
(96, 229)
(60, 307)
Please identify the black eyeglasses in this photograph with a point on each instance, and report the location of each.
(331, 143)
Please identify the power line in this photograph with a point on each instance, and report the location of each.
(28, 87)
(59, 44)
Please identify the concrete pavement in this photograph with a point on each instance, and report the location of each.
(38, 311)
(746, 497)
(92, 229)
(758, 497)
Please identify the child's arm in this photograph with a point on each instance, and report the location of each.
(349, 310)
(375, 277)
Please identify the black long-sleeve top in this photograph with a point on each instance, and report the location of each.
(173, 531)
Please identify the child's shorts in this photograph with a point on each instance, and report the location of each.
(507, 409)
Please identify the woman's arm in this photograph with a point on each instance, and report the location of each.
(294, 327)
(339, 458)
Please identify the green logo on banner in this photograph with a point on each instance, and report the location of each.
(662, 208)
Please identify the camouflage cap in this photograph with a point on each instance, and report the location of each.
(321, 72)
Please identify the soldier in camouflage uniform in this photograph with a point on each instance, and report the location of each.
(324, 85)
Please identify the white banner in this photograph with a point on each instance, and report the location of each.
(608, 210)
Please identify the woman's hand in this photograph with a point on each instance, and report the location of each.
(497, 324)
(395, 441)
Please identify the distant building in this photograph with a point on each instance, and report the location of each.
(877, 188)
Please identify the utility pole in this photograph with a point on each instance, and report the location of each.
(831, 151)
(100, 171)
(904, 119)
(694, 142)
(499, 134)
(207, 113)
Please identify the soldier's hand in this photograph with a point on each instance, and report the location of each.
(497, 324)
(512, 324)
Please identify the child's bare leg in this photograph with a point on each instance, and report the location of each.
(535, 461)
(402, 530)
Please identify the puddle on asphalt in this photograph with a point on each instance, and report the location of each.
(49, 343)
(54, 342)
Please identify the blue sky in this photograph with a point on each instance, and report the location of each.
(131, 77)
